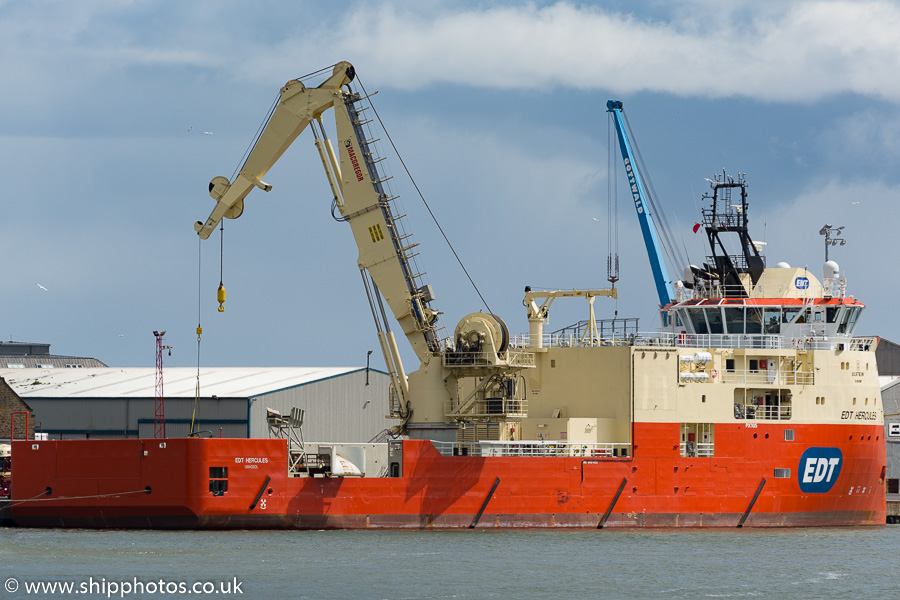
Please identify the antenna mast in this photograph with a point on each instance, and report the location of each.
(159, 420)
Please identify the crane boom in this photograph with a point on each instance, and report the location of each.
(639, 195)
(298, 106)
(478, 362)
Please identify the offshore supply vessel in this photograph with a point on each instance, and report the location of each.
(751, 405)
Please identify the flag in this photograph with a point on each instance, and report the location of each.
(696, 227)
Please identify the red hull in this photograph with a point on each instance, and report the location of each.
(105, 483)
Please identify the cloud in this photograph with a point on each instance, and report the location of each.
(791, 52)
(801, 52)
(794, 237)
(870, 135)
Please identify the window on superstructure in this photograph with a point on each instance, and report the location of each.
(754, 320)
(854, 314)
(729, 364)
(734, 319)
(698, 321)
(789, 314)
(802, 316)
(789, 435)
(842, 322)
(772, 320)
(714, 316)
(831, 314)
(782, 473)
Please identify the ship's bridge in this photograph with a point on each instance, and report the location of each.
(786, 303)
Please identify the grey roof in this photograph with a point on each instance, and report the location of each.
(43, 361)
(178, 382)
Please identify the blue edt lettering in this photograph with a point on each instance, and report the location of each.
(819, 469)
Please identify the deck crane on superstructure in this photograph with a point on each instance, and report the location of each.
(642, 206)
(456, 378)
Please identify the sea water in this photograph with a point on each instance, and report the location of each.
(521, 564)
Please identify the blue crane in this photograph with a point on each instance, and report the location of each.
(641, 205)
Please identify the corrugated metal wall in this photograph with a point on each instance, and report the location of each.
(340, 409)
(887, 355)
(890, 401)
(133, 417)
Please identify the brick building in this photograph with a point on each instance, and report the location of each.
(10, 402)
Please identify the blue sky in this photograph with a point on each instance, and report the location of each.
(499, 111)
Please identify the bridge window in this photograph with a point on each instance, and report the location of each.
(754, 320)
(698, 321)
(772, 320)
(734, 319)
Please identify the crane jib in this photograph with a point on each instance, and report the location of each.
(640, 198)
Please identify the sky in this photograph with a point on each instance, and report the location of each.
(497, 108)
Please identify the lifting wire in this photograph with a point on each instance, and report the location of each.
(421, 196)
(220, 293)
(199, 330)
(673, 254)
(612, 207)
(612, 213)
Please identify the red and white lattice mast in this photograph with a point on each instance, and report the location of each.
(159, 421)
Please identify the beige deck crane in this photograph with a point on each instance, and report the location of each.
(480, 349)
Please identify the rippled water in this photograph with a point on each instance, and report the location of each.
(795, 563)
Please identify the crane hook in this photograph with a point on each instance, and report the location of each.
(221, 297)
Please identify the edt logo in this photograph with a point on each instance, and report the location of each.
(801, 283)
(819, 469)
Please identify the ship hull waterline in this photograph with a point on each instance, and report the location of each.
(137, 484)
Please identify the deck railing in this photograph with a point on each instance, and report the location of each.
(766, 377)
(533, 448)
(690, 340)
(703, 450)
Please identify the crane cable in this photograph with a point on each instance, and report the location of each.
(199, 330)
(220, 293)
(421, 196)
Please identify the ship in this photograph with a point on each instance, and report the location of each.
(752, 404)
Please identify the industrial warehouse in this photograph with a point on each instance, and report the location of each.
(342, 403)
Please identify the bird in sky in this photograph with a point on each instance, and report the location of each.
(855, 203)
(42, 287)
(190, 129)
(596, 219)
(207, 133)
